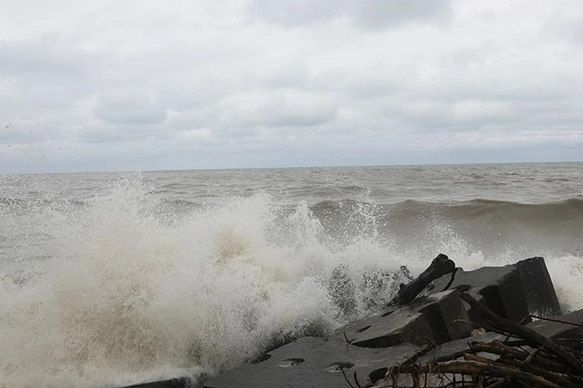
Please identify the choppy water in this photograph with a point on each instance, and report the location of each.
(112, 279)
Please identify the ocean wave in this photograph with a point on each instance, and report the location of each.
(11, 203)
(485, 210)
(124, 293)
(499, 211)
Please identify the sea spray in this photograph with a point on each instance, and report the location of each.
(128, 283)
(128, 293)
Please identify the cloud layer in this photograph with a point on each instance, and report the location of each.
(204, 84)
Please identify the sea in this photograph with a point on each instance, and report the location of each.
(112, 279)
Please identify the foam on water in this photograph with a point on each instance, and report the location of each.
(134, 290)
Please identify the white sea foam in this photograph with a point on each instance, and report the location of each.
(133, 292)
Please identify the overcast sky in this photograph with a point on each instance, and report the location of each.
(149, 84)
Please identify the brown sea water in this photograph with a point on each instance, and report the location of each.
(111, 278)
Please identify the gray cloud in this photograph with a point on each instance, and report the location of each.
(257, 83)
(279, 108)
(136, 107)
(42, 55)
(43, 72)
(366, 13)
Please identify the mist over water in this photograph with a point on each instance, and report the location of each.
(110, 279)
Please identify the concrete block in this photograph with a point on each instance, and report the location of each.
(455, 349)
(444, 312)
(314, 362)
(499, 288)
(541, 297)
(393, 327)
(182, 382)
(431, 319)
(562, 332)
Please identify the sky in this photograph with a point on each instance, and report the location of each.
(186, 84)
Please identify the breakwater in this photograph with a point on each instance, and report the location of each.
(437, 327)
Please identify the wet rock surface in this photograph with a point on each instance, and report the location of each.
(182, 382)
(314, 362)
(564, 329)
(433, 319)
(362, 352)
(456, 349)
(541, 297)
(389, 329)
(499, 288)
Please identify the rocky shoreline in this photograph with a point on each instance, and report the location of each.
(441, 339)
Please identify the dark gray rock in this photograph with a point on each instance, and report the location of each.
(432, 319)
(541, 297)
(391, 328)
(455, 349)
(499, 288)
(182, 382)
(513, 291)
(444, 312)
(562, 332)
(314, 362)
